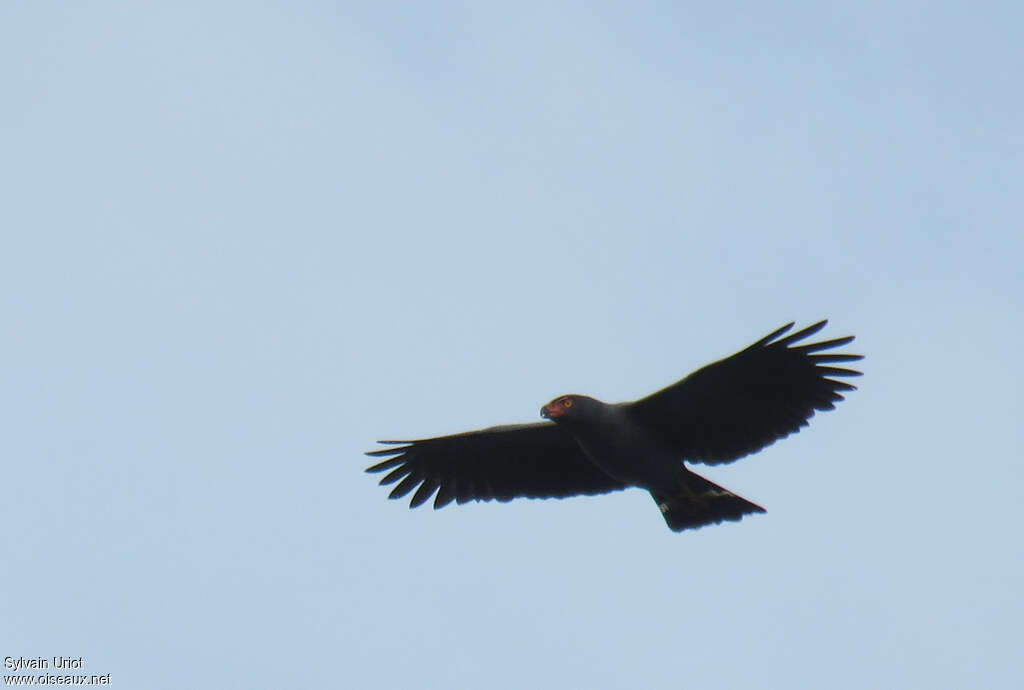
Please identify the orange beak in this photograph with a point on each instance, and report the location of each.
(551, 411)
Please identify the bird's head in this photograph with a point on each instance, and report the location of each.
(564, 407)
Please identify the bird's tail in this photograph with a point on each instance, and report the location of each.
(696, 502)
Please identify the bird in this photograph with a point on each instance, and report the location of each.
(721, 412)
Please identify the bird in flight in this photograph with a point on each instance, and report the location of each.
(719, 413)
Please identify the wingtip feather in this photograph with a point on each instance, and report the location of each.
(386, 465)
(827, 344)
(801, 334)
(772, 336)
(423, 494)
(405, 486)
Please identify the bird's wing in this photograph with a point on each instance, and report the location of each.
(499, 463)
(745, 402)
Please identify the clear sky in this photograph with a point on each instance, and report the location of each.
(242, 241)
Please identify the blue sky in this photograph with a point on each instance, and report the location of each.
(244, 241)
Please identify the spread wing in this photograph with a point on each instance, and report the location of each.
(740, 404)
(499, 463)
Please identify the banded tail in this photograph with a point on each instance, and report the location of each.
(697, 502)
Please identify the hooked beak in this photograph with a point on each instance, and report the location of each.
(550, 411)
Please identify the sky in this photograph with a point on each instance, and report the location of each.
(244, 241)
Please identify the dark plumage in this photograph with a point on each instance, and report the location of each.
(721, 412)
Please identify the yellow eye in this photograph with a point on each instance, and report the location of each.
(567, 402)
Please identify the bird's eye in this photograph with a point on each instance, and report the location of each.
(567, 402)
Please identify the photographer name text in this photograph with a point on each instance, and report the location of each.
(21, 663)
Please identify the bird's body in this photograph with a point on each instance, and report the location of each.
(719, 413)
(633, 454)
(618, 446)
